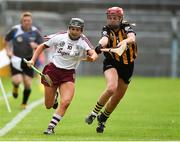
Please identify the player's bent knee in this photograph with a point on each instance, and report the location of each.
(16, 83)
(48, 105)
(111, 89)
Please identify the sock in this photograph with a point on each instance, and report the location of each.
(15, 88)
(55, 120)
(104, 115)
(26, 94)
(97, 109)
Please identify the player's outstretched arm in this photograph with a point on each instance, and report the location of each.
(92, 55)
(37, 52)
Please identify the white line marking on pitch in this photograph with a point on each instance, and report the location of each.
(8, 95)
(19, 117)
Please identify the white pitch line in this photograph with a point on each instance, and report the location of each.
(19, 117)
(8, 95)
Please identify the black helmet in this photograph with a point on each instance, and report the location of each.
(76, 22)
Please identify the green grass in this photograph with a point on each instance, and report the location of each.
(150, 110)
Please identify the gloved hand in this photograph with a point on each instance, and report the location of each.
(98, 48)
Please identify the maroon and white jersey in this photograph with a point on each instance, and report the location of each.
(68, 53)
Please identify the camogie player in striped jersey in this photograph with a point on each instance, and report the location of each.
(117, 69)
(69, 49)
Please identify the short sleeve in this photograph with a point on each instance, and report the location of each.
(87, 43)
(10, 35)
(105, 31)
(51, 42)
(128, 29)
(39, 38)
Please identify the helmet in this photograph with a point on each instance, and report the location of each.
(115, 10)
(76, 22)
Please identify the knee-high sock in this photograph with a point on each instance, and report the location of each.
(104, 115)
(55, 120)
(26, 94)
(97, 108)
(15, 88)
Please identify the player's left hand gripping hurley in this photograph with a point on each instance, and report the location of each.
(45, 76)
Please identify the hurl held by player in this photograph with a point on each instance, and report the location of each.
(69, 49)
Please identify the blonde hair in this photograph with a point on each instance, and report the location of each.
(24, 14)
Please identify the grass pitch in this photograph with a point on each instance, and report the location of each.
(150, 110)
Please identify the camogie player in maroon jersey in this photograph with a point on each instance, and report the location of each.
(69, 49)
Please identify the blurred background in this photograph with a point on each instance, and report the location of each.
(157, 28)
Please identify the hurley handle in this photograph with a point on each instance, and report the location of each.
(35, 69)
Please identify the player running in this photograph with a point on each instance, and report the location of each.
(118, 70)
(69, 49)
(25, 38)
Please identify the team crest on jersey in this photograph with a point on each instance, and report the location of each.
(104, 33)
(19, 39)
(32, 38)
(62, 43)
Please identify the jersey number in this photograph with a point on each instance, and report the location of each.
(69, 47)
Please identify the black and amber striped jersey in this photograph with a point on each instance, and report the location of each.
(114, 38)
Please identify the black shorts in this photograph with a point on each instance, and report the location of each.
(124, 71)
(25, 70)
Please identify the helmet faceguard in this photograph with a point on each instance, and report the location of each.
(77, 22)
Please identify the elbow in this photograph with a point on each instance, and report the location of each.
(133, 39)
